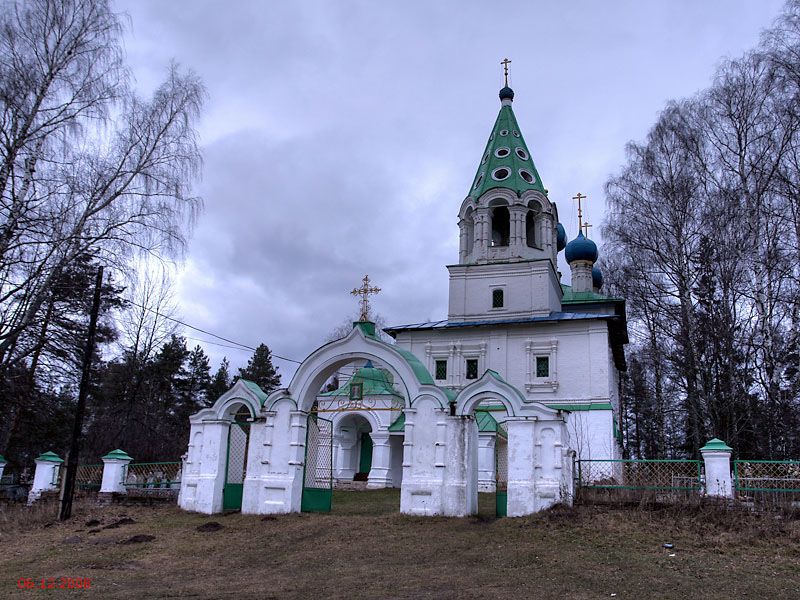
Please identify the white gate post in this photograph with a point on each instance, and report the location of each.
(114, 465)
(45, 477)
(380, 473)
(717, 458)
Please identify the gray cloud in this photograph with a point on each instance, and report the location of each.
(340, 138)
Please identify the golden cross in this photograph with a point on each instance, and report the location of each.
(586, 229)
(364, 291)
(505, 62)
(579, 197)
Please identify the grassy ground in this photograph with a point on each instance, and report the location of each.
(365, 549)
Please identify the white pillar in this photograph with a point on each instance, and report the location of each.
(380, 473)
(717, 458)
(201, 489)
(460, 493)
(521, 466)
(45, 477)
(114, 465)
(486, 462)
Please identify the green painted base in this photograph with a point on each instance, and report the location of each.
(501, 504)
(232, 496)
(316, 500)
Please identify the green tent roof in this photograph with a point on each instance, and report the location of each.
(50, 457)
(375, 382)
(506, 149)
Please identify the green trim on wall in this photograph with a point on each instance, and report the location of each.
(579, 407)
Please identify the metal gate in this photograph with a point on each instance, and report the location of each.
(238, 437)
(501, 473)
(318, 469)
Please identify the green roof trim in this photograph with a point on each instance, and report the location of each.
(366, 327)
(419, 369)
(117, 454)
(399, 423)
(374, 381)
(570, 297)
(514, 156)
(3, 459)
(256, 389)
(579, 407)
(716, 445)
(487, 423)
(50, 457)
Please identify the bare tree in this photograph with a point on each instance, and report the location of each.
(86, 166)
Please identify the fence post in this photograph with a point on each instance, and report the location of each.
(2, 465)
(114, 464)
(45, 477)
(717, 458)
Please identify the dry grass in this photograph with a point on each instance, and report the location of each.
(365, 549)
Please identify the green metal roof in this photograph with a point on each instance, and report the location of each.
(375, 382)
(50, 457)
(718, 445)
(514, 156)
(3, 459)
(570, 297)
(256, 389)
(577, 407)
(399, 423)
(486, 422)
(419, 369)
(118, 454)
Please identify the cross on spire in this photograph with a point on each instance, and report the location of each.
(586, 226)
(505, 62)
(580, 197)
(365, 291)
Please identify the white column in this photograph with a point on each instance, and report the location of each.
(717, 458)
(521, 466)
(45, 477)
(460, 493)
(211, 478)
(380, 473)
(114, 465)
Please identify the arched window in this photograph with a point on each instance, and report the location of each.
(530, 229)
(500, 226)
(470, 226)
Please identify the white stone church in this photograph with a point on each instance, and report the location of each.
(501, 396)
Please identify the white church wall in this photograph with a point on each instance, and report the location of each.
(591, 434)
(577, 358)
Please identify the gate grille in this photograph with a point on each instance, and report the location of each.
(237, 452)
(501, 463)
(319, 454)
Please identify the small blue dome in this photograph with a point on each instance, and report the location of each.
(581, 248)
(506, 92)
(597, 278)
(561, 237)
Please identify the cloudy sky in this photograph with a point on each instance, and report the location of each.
(341, 137)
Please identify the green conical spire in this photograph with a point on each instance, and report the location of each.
(506, 161)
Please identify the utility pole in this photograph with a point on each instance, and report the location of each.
(72, 458)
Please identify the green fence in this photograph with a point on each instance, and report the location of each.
(152, 476)
(665, 475)
(769, 476)
(89, 477)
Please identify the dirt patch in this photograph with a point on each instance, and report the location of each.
(138, 539)
(210, 527)
(119, 523)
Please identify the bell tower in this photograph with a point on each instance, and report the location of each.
(509, 233)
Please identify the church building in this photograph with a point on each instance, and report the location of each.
(521, 378)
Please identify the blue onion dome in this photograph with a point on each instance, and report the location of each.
(597, 278)
(581, 248)
(506, 93)
(561, 237)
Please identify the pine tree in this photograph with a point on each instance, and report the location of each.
(221, 381)
(198, 378)
(260, 370)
